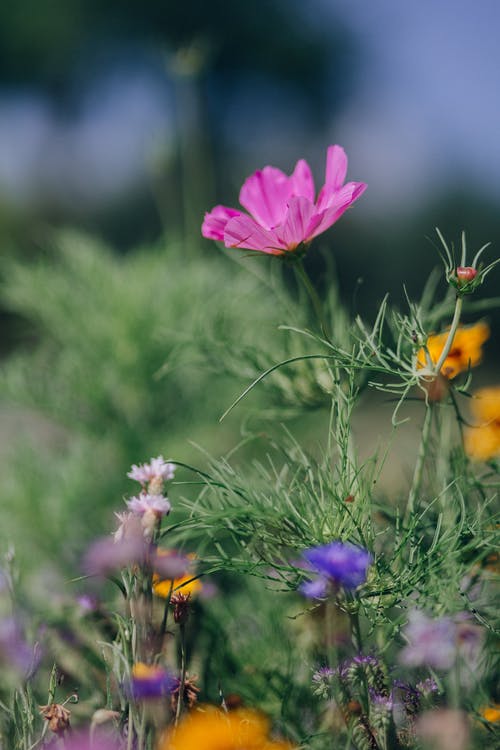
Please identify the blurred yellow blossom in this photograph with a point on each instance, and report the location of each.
(187, 584)
(482, 441)
(491, 713)
(465, 352)
(210, 728)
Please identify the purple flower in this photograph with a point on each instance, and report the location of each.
(156, 468)
(107, 555)
(15, 652)
(150, 504)
(431, 643)
(150, 681)
(83, 740)
(337, 563)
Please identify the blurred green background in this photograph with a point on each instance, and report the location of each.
(126, 121)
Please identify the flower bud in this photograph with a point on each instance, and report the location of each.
(465, 274)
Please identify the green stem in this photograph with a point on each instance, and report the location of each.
(180, 697)
(312, 294)
(419, 467)
(451, 334)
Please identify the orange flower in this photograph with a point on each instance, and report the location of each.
(482, 442)
(210, 728)
(465, 352)
(186, 585)
(491, 713)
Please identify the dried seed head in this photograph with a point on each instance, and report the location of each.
(57, 717)
(180, 603)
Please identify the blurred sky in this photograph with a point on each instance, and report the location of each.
(421, 114)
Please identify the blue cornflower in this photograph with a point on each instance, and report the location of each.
(337, 563)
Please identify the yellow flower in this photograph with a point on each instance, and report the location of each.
(482, 441)
(491, 713)
(465, 352)
(210, 728)
(185, 585)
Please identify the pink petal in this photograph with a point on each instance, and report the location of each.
(244, 232)
(336, 167)
(302, 180)
(329, 197)
(215, 222)
(339, 203)
(301, 219)
(265, 195)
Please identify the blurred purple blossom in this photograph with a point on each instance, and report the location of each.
(85, 740)
(438, 642)
(15, 652)
(337, 563)
(106, 555)
(149, 681)
(170, 564)
(430, 642)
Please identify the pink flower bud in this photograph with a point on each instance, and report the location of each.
(466, 273)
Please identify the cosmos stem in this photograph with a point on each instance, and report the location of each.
(451, 334)
(183, 672)
(312, 294)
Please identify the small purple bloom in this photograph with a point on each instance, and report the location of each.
(144, 503)
(337, 563)
(427, 686)
(149, 681)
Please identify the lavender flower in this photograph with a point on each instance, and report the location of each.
(157, 468)
(337, 564)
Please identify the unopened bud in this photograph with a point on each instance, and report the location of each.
(466, 273)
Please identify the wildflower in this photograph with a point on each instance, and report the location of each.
(446, 729)
(465, 352)
(212, 729)
(437, 643)
(482, 442)
(150, 509)
(143, 504)
(150, 681)
(106, 555)
(15, 652)
(491, 713)
(337, 564)
(284, 215)
(431, 642)
(156, 468)
(57, 717)
(82, 740)
(165, 585)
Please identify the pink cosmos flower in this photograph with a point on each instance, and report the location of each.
(284, 214)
